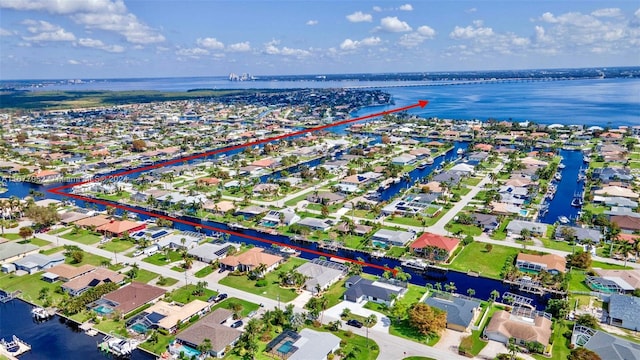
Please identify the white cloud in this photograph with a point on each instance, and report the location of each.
(607, 12)
(406, 7)
(349, 44)
(108, 15)
(194, 53)
(73, 62)
(393, 24)
(416, 38)
(377, 9)
(98, 44)
(271, 48)
(45, 31)
(240, 47)
(5, 32)
(359, 16)
(471, 32)
(312, 22)
(210, 43)
(471, 10)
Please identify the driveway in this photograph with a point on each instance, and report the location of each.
(449, 340)
(381, 325)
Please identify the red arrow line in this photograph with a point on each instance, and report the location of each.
(421, 104)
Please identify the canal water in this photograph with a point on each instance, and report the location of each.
(567, 188)
(52, 339)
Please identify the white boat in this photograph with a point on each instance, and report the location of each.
(563, 219)
(561, 166)
(557, 177)
(40, 313)
(460, 151)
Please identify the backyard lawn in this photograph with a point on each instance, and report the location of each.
(272, 290)
(30, 286)
(117, 245)
(88, 258)
(474, 257)
(83, 236)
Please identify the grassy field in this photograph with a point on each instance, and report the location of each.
(35, 241)
(145, 276)
(30, 286)
(88, 258)
(273, 289)
(184, 294)
(160, 259)
(475, 258)
(203, 272)
(117, 245)
(472, 230)
(83, 236)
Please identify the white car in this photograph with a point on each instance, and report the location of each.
(137, 253)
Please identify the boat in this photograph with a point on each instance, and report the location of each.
(460, 151)
(426, 162)
(290, 251)
(417, 264)
(582, 177)
(585, 159)
(563, 219)
(40, 313)
(561, 166)
(237, 226)
(557, 177)
(577, 202)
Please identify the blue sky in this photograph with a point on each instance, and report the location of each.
(114, 38)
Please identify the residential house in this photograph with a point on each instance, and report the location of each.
(487, 222)
(214, 327)
(515, 228)
(306, 345)
(582, 235)
(460, 312)
(404, 159)
(321, 274)
(393, 237)
(275, 218)
(325, 198)
(37, 262)
(210, 252)
(361, 290)
(117, 228)
(182, 240)
(91, 279)
(505, 326)
(608, 174)
(624, 311)
(315, 224)
(168, 316)
(93, 222)
(617, 191)
(463, 169)
(130, 297)
(251, 259)
(435, 247)
(622, 281)
(551, 263)
(611, 347)
(11, 251)
(627, 223)
(66, 272)
(449, 177)
(251, 211)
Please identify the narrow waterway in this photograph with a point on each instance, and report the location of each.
(567, 188)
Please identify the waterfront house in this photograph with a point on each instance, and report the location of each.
(168, 316)
(42, 176)
(617, 191)
(251, 211)
(66, 272)
(210, 252)
(404, 159)
(449, 177)
(460, 312)
(504, 326)
(551, 263)
(130, 297)
(251, 259)
(306, 345)
(515, 228)
(361, 290)
(315, 224)
(463, 169)
(624, 312)
(276, 218)
(582, 235)
(33, 263)
(393, 237)
(358, 229)
(435, 247)
(325, 198)
(608, 174)
(91, 279)
(622, 281)
(611, 347)
(182, 240)
(214, 327)
(615, 201)
(117, 228)
(321, 273)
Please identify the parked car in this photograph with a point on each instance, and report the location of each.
(212, 298)
(354, 323)
(221, 297)
(137, 253)
(237, 324)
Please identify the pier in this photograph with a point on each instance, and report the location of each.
(13, 348)
(6, 297)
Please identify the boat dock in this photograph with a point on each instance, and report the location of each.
(13, 348)
(117, 346)
(6, 297)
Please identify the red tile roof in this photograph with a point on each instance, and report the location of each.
(439, 241)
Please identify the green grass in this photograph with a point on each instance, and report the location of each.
(30, 286)
(88, 258)
(500, 233)
(117, 245)
(404, 330)
(396, 251)
(413, 295)
(83, 236)
(472, 230)
(58, 231)
(273, 289)
(185, 295)
(112, 327)
(557, 245)
(560, 349)
(577, 281)
(405, 221)
(145, 276)
(11, 236)
(607, 266)
(355, 241)
(247, 306)
(335, 293)
(53, 250)
(36, 241)
(160, 259)
(475, 258)
(204, 272)
(160, 346)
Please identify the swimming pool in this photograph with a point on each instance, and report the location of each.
(285, 347)
(103, 310)
(188, 351)
(524, 212)
(270, 224)
(380, 244)
(139, 328)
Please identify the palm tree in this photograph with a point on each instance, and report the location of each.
(625, 249)
(368, 322)
(323, 302)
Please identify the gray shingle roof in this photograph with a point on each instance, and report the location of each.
(627, 309)
(613, 348)
(459, 311)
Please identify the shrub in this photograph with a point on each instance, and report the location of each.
(261, 283)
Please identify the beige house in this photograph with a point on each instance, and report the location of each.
(168, 316)
(505, 326)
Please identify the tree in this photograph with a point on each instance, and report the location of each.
(587, 320)
(558, 308)
(25, 232)
(77, 256)
(471, 292)
(427, 320)
(205, 346)
(513, 349)
(138, 145)
(488, 248)
(583, 354)
(369, 322)
(200, 288)
(580, 260)
(494, 295)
